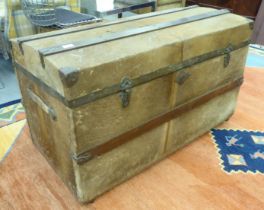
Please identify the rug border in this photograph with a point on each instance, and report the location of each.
(219, 155)
(14, 142)
(10, 103)
(13, 120)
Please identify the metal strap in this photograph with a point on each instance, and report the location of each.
(135, 132)
(124, 34)
(89, 27)
(107, 91)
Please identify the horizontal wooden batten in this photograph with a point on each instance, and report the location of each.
(129, 19)
(124, 34)
(135, 82)
(132, 134)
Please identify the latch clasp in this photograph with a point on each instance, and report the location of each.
(125, 87)
(227, 56)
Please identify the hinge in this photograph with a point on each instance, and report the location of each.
(125, 87)
(227, 56)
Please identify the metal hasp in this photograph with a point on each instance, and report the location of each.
(125, 87)
(227, 57)
(154, 123)
(115, 89)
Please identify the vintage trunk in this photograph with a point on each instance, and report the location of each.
(104, 102)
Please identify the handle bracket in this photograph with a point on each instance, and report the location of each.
(49, 110)
(126, 88)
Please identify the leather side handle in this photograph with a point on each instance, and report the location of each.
(49, 110)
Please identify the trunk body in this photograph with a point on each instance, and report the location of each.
(104, 107)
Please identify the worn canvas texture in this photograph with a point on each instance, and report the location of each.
(63, 133)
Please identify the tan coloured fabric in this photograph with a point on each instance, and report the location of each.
(79, 129)
(221, 31)
(126, 161)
